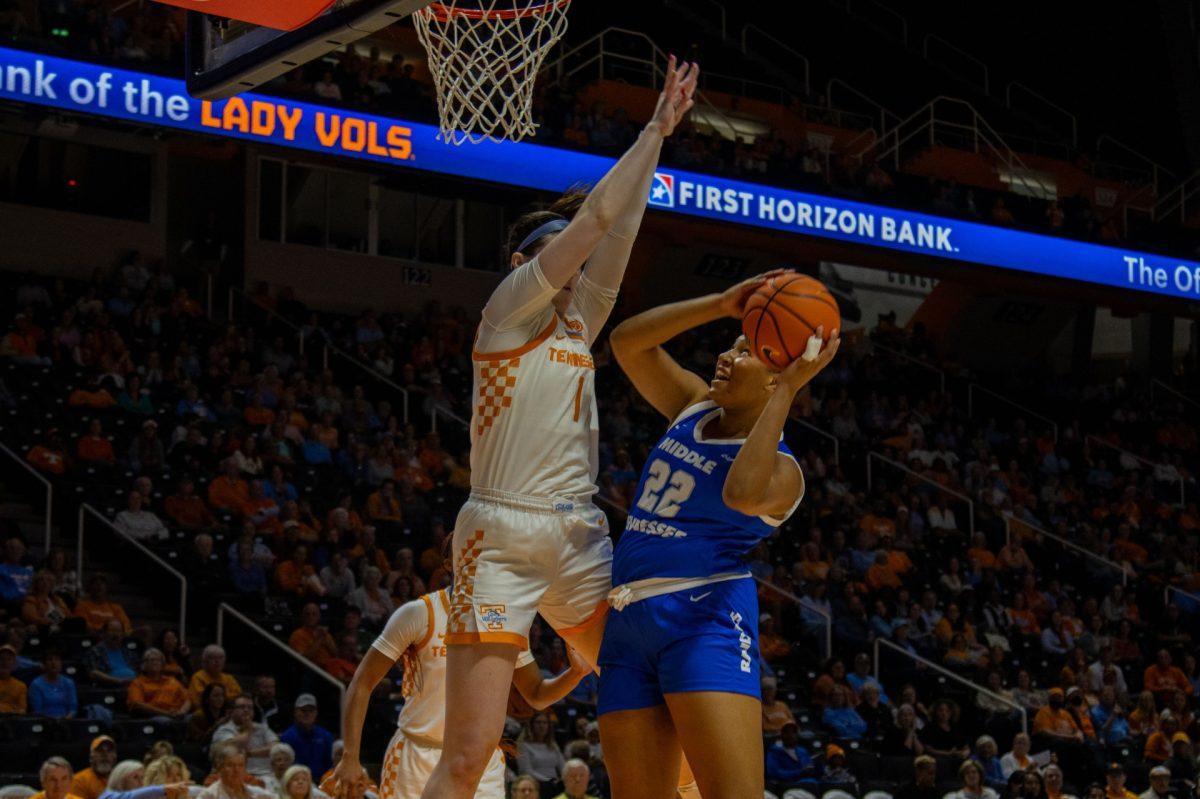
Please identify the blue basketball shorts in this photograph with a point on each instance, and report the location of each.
(703, 639)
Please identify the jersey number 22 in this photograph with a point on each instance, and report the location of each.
(679, 485)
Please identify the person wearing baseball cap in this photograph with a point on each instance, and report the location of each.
(787, 760)
(1160, 784)
(1114, 783)
(93, 780)
(833, 767)
(312, 742)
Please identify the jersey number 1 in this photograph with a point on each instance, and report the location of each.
(679, 486)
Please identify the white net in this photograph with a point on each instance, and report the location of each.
(485, 56)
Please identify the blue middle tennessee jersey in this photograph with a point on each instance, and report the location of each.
(679, 525)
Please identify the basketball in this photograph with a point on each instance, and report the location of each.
(783, 313)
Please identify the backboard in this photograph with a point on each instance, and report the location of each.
(226, 56)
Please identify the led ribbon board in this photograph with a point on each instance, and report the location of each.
(155, 100)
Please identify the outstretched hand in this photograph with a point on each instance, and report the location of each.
(733, 299)
(677, 97)
(815, 358)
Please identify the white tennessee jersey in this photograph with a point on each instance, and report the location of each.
(416, 635)
(534, 426)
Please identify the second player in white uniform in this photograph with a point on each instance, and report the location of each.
(415, 637)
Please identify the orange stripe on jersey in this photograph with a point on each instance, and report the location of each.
(488, 638)
(445, 597)
(428, 627)
(501, 356)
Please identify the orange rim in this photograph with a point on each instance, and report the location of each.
(442, 11)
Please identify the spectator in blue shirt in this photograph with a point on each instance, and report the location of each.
(787, 760)
(53, 694)
(861, 677)
(246, 572)
(312, 743)
(986, 756)
(15, 576)
(841, 719)
(1112, 728)
(315, 452)
(108, 661)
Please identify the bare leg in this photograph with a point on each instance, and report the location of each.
(721, 735)
(478, 677)
(587, 643)
(641, 753)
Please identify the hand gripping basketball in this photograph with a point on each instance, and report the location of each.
(783, 313)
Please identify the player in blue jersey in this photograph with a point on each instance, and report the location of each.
(679, 660)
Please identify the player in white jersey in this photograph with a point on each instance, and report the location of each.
(415, 636)
(529, 540)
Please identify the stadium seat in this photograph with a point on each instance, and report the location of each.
(798, 793)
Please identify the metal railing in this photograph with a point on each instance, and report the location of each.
(933, 124)
(774, 50)
(879, 112)
(1171, 389)
(896, 464)
(973, 387)
(837, 447)
(1157, 172)
(329, 347)
(1177, 199)
(1048, 103)
(225, 608)
(436, 410)
(1140, 459)
(649, 67)
(941, 373)
(1195, 600)
(1010, 520)
(945, 672)
(85, 510)
(41, 478)
(800, 603)
(963, 57)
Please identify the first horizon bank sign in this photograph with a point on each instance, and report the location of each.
(78, 86)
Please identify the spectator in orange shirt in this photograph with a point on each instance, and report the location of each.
(383, 509)
(42, 607)
(297, 576)
(1158, 743)
(433, 459)
(1125, 549)
(50, 457)
(96, 609)
(21, 343)
(881, 574)
(1114, 783)
(229, 491)
(877, 523)
(212, 670)
(311, 639)
(95, 448)
(343, 517)
(188, 511)
(773, 646)
(1163, 678)
(153, 693)
(1022, 617)
(92, 781)
(257, 414)
(775, 712)
(979, 554)
(91, 395)
(13, 693)
(343, 665)
(262, 510)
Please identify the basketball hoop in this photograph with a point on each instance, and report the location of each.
(485, 56)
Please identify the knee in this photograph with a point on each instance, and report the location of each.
(466, 761)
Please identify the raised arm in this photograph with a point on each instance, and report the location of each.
(762, 481)
(540, 692)
(604, 227)
(637, 345)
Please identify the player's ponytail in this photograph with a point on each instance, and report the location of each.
(565, 207)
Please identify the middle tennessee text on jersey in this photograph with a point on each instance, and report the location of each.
(679, 526)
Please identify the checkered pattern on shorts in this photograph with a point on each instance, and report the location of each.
(465, 564)
(496, 381)
(389, 777)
